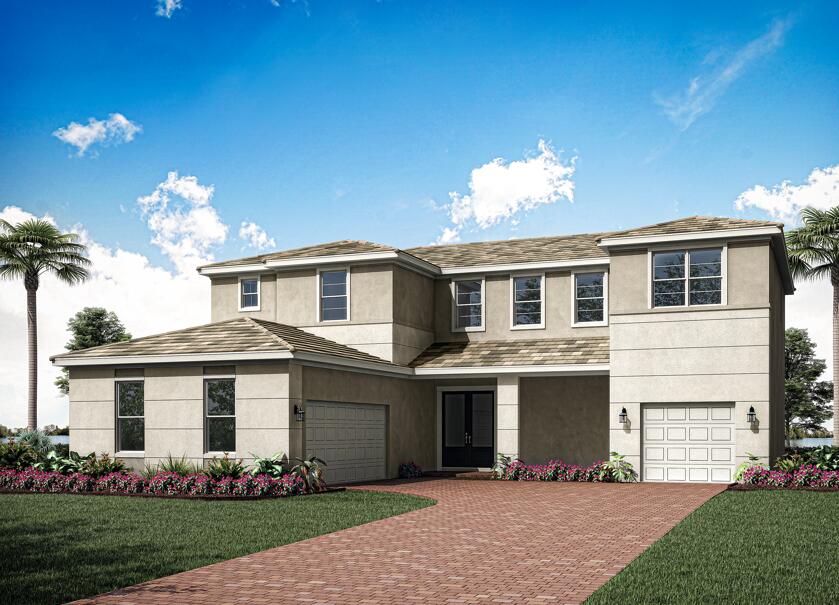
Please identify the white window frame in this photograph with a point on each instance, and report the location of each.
(589, 324)
(541, 324)
(453, 287)
(128, 453)
(258, 279)
(318, 295)
(207, 452)
(686, 249)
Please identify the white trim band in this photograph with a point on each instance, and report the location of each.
(688, 236)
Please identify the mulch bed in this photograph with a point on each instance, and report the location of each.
(176, 496)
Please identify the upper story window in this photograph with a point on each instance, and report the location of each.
(469, 304)
(249, 294)
(590, 298)
(131, 421)
(528, 301)
(333, 295)
(220, 415)
(687, 277)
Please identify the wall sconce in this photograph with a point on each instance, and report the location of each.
(751, 416)
(622, 417)
(299, 413)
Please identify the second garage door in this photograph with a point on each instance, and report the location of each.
(349, 437)
(688, 442)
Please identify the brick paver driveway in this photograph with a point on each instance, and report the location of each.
(484, 542)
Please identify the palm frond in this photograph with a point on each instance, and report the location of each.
(35, 246)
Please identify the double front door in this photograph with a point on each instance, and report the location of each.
(468, 428)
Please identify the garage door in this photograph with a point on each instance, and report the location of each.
(349, 437)
(688, 443)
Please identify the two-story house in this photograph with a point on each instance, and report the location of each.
(664, 343)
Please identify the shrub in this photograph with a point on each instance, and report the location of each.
(824, 457)
(275, 466)
(501, 466)
(226, 467)
(309, 471)
(554, 470)
(409, 470)
(16, 455)
(617, 469)
(104, 465)
(807, 476)
(752, 461)
(180, 466)
(39, 441)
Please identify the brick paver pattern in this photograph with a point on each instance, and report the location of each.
(483, 542)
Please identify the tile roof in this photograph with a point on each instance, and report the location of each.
(531, 352)
(535, 249)
(693, 224)
(347, 246)
(241, 335)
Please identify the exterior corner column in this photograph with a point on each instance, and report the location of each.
(507, 439)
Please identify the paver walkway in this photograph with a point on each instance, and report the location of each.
(484, 542)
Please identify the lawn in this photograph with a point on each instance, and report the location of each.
(57, 548)
(740, 547)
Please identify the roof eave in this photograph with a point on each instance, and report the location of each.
(664, 238)
(568, 369)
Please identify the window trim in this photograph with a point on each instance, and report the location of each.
(541, 324)
(589, 324)
(258, 279)
(320, 270)
(723, 247)
(453, 290)
(117, 450)
(208, 453)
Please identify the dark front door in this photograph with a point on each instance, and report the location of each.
(468, 423)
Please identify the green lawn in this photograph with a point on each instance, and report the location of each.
(61, 547)
(740, 547)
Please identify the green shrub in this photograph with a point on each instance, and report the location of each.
(310, 471)
(753, 460)
(96, 467)
(180, 466)
(502, 463)
(16, 455)
(276, 466)
(219, 468)
(824, 457)
(618, 469)
(39, 441)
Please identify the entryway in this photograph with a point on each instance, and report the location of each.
(468, 419)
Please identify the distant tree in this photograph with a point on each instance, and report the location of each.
(807, 401)
(813, 251)
(5, 431)
(27, 251)
(54, 429)
(91, 327)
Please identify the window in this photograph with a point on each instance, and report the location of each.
(527, 301)
(131, 421)
(468, 304)
(695, 274)
(333, 296)
(589, 298)
(249, 293)
(220, 407)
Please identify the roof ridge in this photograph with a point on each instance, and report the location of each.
(282, 341)
(515, 239)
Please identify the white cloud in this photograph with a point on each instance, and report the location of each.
(501, 190)
(786, 200)
(165, 8)
(811, 308)
(187, 228)
(704, 90)
(112, 131)
(255, 236)
(147, 298)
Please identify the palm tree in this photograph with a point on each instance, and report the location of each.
(28, 250)
(813, 252)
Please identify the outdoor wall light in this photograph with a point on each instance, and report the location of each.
(299, 413)
(622, 418)
(751, 417)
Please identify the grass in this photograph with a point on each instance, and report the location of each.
(740, 547)
(56, 548)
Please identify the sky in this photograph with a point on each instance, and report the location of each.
(171, 133)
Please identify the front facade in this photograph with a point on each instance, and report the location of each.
(663, 343)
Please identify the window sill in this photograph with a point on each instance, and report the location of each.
(590, 324)
(528, 327)
(242, 309)
(472, 329)
(131, 454)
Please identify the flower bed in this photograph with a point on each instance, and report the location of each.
(805, 477)
(554, 470)
(162, 484)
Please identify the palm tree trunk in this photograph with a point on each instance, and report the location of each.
(835, 281)
(32, 325)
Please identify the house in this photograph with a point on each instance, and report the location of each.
(664, 343)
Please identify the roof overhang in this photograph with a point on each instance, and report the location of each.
(515, 267)
(569, 369)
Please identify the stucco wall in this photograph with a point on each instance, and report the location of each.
(92, 410)
(564, 418)
(777, 308)
(224, 298)
(411, 409)
(559, 305)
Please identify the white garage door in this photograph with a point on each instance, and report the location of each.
(688, 442)
(349, 437)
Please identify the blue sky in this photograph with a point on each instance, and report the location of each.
(330, 120)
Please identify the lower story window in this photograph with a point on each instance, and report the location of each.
(220, 408)
(131, 421)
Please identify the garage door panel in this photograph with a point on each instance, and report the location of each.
(688, 442)
(349, 437)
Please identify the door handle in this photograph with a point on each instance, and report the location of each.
(468, 439)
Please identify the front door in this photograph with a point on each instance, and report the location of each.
(468, 428)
